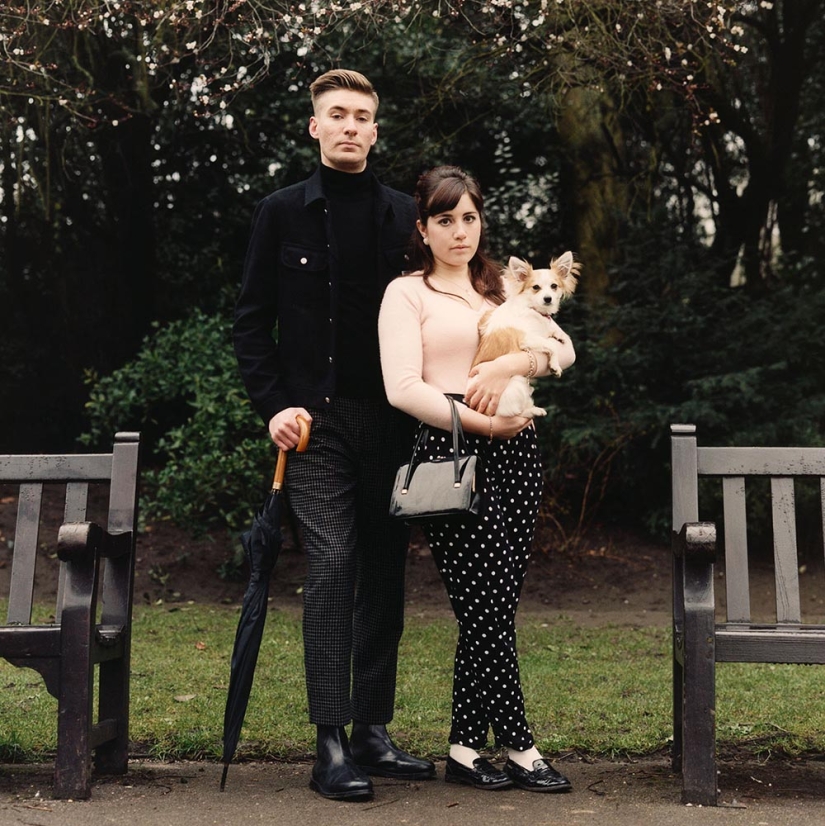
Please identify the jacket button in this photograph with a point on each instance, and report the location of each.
(303, 260)
(327, 399)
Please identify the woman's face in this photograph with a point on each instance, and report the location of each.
(454, 235)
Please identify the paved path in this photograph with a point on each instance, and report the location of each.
(606, 793)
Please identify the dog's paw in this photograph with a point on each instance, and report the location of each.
(535, 411)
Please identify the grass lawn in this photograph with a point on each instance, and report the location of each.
(601, 691)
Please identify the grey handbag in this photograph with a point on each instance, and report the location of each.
(429, 490)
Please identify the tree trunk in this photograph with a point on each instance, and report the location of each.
(590, 132)
(767, 101)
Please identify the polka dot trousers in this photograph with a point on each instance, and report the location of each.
(482, 561)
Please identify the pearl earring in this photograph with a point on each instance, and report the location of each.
(426, 240)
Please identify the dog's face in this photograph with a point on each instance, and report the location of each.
(541, 290)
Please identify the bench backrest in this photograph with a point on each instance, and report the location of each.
(736, 467)
(118, 470)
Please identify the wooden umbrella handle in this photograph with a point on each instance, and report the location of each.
(303, 442)
(303, 437)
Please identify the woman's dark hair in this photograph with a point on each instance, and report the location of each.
(437, 191)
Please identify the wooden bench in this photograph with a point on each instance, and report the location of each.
(83, 635)
(699, 641)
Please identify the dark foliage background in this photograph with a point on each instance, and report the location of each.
(689, 182)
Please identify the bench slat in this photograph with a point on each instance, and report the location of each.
(737, 585)
(77, 500)
(784, 547)
(806, 645)
(90, 467)
(761, 461)
(21, 589)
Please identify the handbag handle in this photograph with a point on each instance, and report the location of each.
(459, 440)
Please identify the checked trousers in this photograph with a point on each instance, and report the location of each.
(339, 491)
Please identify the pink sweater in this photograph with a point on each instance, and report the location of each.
(428, 341)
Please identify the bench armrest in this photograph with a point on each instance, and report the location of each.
(696, 543)
(77, 541)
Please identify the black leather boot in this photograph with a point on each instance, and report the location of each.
(335, 774)
(376, 754)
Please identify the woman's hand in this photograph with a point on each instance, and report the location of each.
(505, 427)
(488, 381)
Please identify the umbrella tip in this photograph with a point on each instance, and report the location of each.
(223, 776)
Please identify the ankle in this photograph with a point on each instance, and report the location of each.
(463, 755)
(364, 729)
(331, 741)
(525, 758)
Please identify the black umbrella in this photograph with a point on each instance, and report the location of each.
(261, 543)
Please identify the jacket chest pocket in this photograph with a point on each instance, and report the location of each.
(303, 259)
(304, 290)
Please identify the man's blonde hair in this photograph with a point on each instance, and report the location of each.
(342, 79)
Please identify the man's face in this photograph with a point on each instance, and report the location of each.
(345, 128)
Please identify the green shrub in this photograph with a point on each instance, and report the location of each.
(677, 345)
(206, 451)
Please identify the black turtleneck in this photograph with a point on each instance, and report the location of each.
(358, 367)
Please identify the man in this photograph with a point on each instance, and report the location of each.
(321, 253)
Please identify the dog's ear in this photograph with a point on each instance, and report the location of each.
(517, 269)
(568, 269)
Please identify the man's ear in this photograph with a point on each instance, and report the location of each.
(313, 127)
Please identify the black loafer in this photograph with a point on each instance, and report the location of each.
(483, 775)
(376, 754)
(543, 777)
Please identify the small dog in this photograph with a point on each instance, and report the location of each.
(525, 322)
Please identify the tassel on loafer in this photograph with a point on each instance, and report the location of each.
(542, 778)
(483, 775)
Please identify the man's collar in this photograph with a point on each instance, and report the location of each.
(315, 190)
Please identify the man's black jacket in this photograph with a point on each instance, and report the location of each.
(289, 285)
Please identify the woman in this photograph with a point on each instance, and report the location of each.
(428, 332)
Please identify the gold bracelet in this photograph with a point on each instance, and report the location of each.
(490, 440)
(533, 366)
